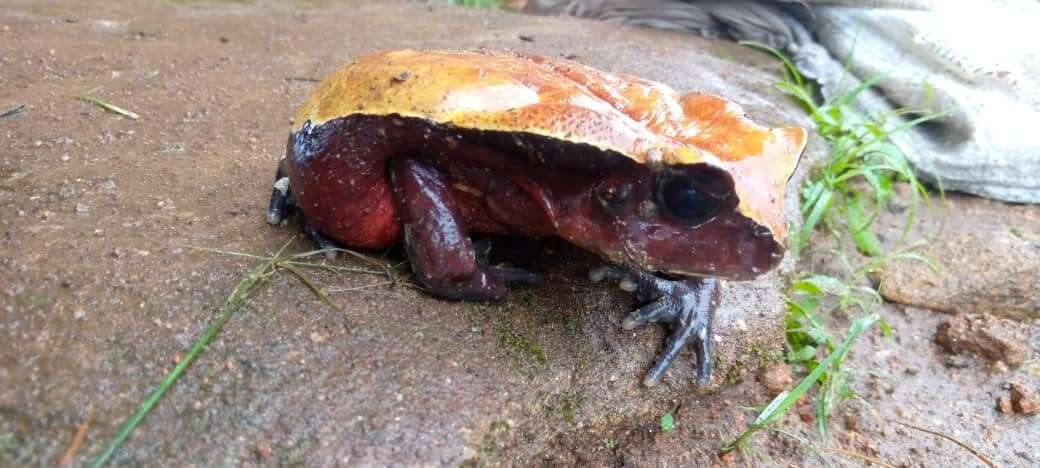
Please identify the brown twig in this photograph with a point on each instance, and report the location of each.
(963, 445)
(77, 440)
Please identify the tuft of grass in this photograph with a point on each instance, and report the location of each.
(842, 197)
(844, 194)
(786, 399)
(245, 288)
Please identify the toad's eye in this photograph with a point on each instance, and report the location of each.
(612, 196)
(687, 198)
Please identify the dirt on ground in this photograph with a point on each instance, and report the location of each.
(103, 289)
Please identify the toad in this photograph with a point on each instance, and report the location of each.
(430, 147)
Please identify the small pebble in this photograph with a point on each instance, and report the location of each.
(263, 450)
(317, 338)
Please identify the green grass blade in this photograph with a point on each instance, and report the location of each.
(783, 401)
(848, 97)
(859, 222)
(818, 209)
(108, 106)
(245, 288)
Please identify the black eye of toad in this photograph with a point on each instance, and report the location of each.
(613, 196)
(686, 200)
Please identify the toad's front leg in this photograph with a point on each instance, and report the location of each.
(686, 305)
(439, 249)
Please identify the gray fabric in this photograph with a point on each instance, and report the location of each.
(976, 61)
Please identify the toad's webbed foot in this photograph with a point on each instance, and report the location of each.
(325, 244)
(686, 305)
(510, 275)
(282, 204)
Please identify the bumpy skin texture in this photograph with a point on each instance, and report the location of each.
(429, 147)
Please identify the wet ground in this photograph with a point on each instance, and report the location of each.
(101, 292)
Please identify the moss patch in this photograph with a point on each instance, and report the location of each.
(527, 353)
(490, 451)
(567, 406)
(16, 451)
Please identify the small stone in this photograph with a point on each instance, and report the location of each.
(805, 413)
(1004, 404)
(1025, 399)
(263, 450)
(82, 208)
(984, 271)
(994, 338)
(728, 458)
(79, 313)
(65, 157)
(317, 338)
(108, 185)
(776, 378)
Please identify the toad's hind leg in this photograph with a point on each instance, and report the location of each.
(438, 246)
